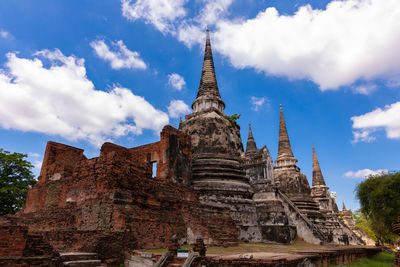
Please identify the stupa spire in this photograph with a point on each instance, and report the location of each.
(208, 93)
(251, 144)
(318, 178)
(284, 149)
(344, 207)
(208, 81)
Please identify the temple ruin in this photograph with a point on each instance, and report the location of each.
(206, 185)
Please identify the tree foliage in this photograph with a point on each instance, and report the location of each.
(233, 120)
(16, 178)
(380, 203)
(364, 224)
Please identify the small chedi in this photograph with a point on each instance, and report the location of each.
(347, 218)
(205, 185)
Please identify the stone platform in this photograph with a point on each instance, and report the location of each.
(324, 256)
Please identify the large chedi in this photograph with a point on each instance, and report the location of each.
(216, 142)
(287, 174)
(217, 174)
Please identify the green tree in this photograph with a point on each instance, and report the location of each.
(233, 120)
(364, 224)
(380, 203)
(16, 178)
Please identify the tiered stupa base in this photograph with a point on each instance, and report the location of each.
(221, 182)
(220, 176)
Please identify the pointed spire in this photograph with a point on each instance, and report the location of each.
(208, 81)
(284, 149)
(208, 93)
(318, 178)
(251, 144)
(344, 207)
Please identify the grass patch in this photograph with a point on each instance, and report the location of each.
(383, 259)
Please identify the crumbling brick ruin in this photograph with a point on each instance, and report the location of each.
(20, 247)
(205, 186)
(112, 203)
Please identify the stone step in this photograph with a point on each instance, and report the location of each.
(215, 165)
(217, 169)
(177, 262)
(207, 162)
(302, 206)
(82, 263)
(78, 256)
(214, 156)
(219, 176)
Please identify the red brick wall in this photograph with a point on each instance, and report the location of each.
(113, 196)
(13, 240)
(59, 158)
(171, 153)
(18, 247)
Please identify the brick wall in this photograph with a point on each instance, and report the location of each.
(112, 201)
(13, 240)
(18, 247)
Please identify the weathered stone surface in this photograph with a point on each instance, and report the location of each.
(211, 132)
(257, 162)
(346, 217)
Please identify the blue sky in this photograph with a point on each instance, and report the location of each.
(85, 72)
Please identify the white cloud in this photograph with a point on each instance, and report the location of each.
(349, 41)
(177, 108)
(160, 13)
(258, 102)
(387, 118)
(61, 100)
(4, 34)
(364, 89)
(192, 31)
(362, 136)
(33, 155)
(365, 173)
(212, 12)
(176, 81)
(121, 57)
(191, 34)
